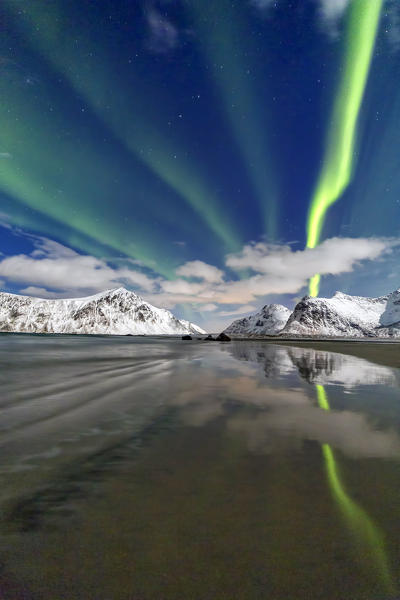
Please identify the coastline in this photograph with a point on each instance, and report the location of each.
(377, 350)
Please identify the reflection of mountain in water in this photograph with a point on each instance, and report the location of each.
(331, 368)
(275, 359)
(76, 410)
(315, 366)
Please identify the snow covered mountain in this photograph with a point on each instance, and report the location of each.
(268, 321)
(346, 316)
(115, 312)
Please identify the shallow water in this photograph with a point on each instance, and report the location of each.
(151, 468)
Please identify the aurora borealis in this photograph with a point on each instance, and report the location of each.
(158, 133)
(337, 166)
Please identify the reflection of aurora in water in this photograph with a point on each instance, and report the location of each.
(367, 534)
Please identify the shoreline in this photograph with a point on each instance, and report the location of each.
(376, 350)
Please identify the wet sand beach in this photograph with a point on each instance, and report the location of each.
(153, 468)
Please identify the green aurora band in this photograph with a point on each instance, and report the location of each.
(220, 32)
(335, 176)
(368, 536)
(128, 118)
(37, 170)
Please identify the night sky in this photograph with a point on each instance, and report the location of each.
(211, 156)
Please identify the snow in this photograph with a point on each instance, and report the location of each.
(346, 316)
(340, 316)
(268, 321)
(113, 312)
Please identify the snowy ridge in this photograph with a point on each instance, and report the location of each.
(268, 321)
(346, 316)
(339, 316)
(113, 312)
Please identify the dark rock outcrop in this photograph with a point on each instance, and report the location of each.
(222, 337)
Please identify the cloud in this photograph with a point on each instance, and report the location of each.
(181, 288)
(163, 35)
(208, 307)
(238, 311)
(54, 270)
(44, 247)
(38, 292)
(52, 265)
(200, 270)
(330, 13)
(277, 268)
(5, 155)
(264, 4)
(333, 256)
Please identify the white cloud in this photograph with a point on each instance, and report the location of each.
(39, 292)
(238, 311)
(52, 265)
(163, 35)
(278, 269)
(200, 270)
(208, 307)
(54, 270)
(44, 247)
(331, 12)
(333, 9)
(179, 287)
(333, 256)
(5, 155)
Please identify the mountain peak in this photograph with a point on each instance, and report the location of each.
(268, 321)
(345, 316)
(341, 315)
(114, 312)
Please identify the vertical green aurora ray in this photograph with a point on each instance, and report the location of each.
(362, 27)
(127, 115)
(369, 537)
(220, 36)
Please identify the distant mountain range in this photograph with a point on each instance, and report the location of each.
(121, 312)
(339, 316)
(270, 320)
(115, 312)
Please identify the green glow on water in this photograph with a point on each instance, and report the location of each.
(368, 536)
